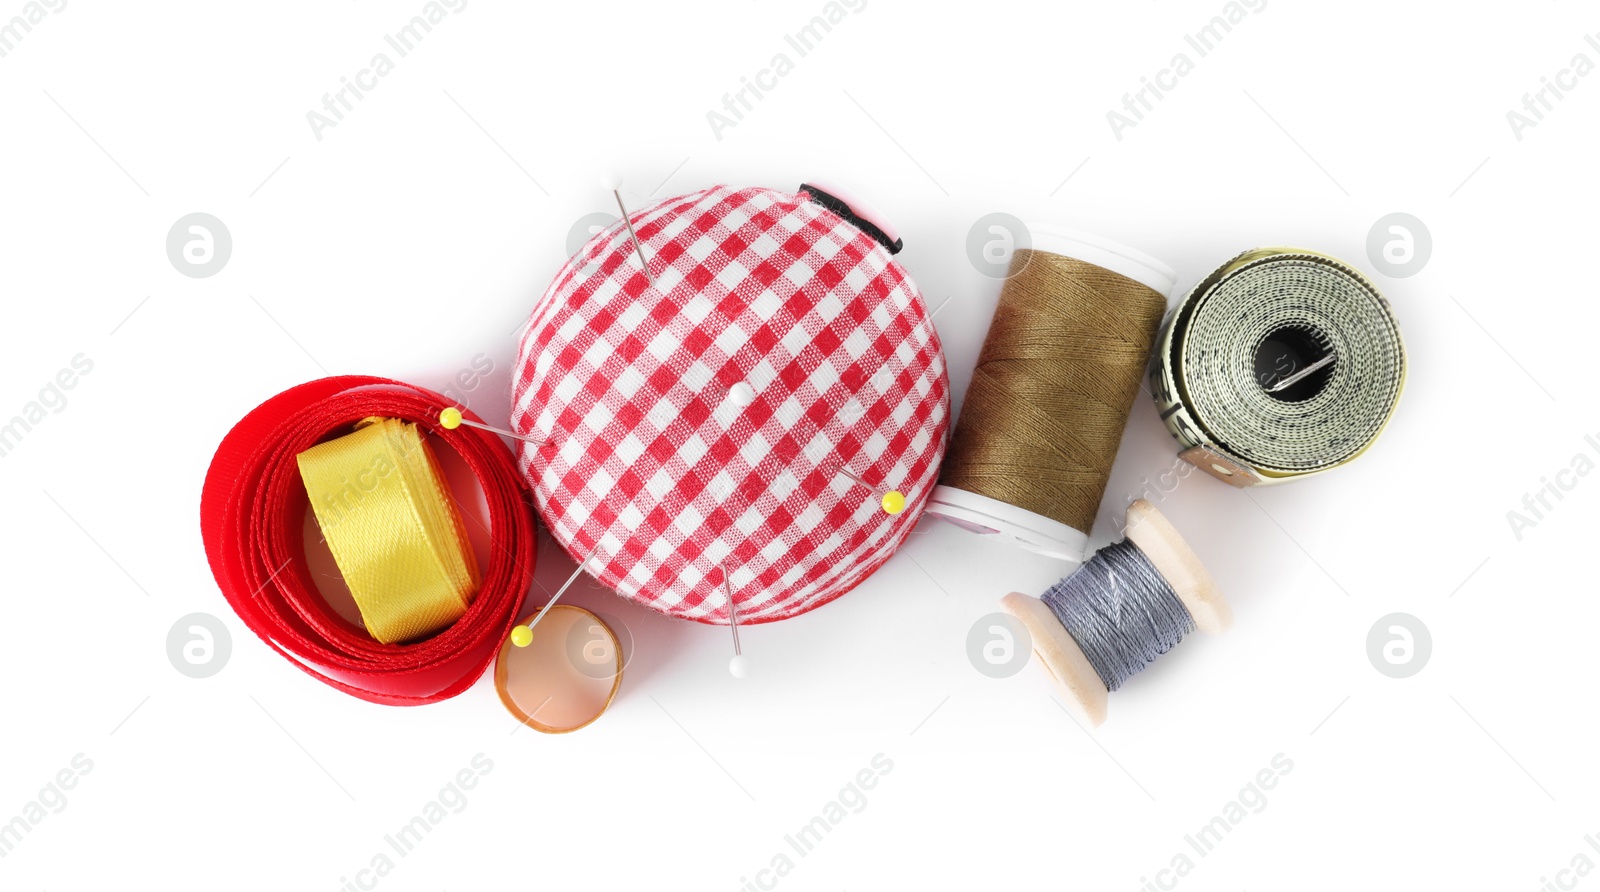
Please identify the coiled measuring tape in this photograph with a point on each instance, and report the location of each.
(1282, 363)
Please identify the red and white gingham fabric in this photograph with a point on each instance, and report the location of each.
(652, 462)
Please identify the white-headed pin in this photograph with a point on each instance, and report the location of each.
(737, 665)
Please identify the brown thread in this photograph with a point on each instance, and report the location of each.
(1053, 387)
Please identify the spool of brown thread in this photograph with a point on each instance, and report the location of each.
(1050, 396)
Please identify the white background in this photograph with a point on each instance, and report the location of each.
(416, 234)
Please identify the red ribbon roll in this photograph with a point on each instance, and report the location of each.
(251, 516)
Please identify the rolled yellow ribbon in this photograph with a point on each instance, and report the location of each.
(387, 515)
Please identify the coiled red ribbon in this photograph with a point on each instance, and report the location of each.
(252, 512)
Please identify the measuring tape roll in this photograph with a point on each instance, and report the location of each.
(1282, 363)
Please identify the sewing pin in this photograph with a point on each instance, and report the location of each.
(450, 418)
(522, 636)
(736, 666)
(613, 183)
(894, 501)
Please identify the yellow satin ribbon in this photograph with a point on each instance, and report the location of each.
(394, 531)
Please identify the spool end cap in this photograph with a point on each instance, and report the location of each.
(1179, 566)
(1081, 688)
(1022, 528)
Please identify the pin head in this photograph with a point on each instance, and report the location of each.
(894, 502)
(610, 181)
(737, 666)
(522, 636)
(450, 418)
(742, 394)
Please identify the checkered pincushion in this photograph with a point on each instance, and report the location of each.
(653, 461)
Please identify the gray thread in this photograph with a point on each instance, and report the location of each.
(1121, 611)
